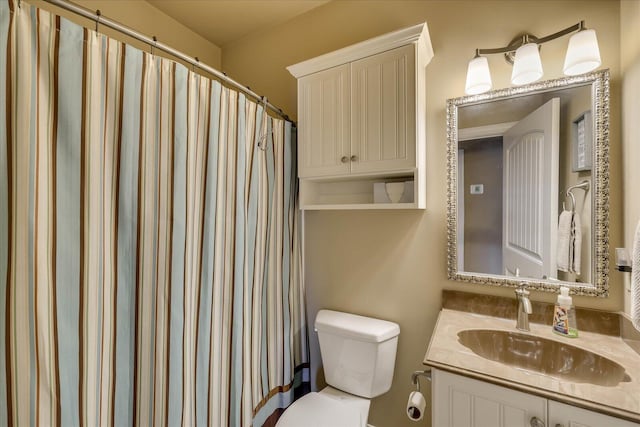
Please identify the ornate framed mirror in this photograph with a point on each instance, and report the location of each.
(528, 185)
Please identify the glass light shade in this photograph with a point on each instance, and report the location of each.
(527, 67)
(583, 54)
(478, 76)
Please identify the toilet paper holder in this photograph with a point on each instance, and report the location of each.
(416, 404)
(415, 377)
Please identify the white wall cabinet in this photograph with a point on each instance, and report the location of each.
(324, 123)
(460, 401)
(383, 112)
(362, 119)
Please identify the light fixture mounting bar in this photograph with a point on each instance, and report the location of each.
(577, 27)
(528, 38)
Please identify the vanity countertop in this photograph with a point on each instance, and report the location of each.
(447, 353)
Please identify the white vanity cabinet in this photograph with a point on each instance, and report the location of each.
(464, 402)
(459, 401)
(563, 415)
(362, 119)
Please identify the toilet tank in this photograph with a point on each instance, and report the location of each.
(358, 353)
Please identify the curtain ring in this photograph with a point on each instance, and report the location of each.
(262, 140)
(19, 4)
(155, 42)
(98, 14)
(193, 68)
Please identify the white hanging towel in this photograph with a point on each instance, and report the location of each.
(635, 280)
(563, 252)
(576, 243)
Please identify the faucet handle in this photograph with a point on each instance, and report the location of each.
(522, 289)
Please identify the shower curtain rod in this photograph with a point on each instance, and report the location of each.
(155, 44)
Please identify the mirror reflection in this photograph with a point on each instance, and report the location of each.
(524, 176)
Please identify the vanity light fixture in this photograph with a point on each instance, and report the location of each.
(527, 66)
(583, 55)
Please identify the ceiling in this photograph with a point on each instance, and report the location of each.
(224, 21)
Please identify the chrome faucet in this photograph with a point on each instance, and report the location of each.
(524, 307)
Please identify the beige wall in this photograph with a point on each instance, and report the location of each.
(630, 62)
(148, 20)
(393, 264)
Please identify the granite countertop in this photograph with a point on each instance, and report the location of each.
(445, 352)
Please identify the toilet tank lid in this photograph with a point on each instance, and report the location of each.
(356, 327)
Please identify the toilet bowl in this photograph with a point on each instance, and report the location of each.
(329, 407)
(358, 355)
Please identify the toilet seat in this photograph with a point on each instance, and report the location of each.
(329, 408)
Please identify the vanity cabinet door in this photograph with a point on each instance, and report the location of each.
(562, 415)
(324, 148)
(464, 402)
(383, 111)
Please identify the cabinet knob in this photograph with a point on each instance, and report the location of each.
(536, 422)
(344, 159)
(354, 158)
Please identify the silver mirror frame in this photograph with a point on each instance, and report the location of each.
(599, 287)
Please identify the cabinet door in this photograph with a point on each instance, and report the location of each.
(562, 415)
(383, 111)
(323, 133)
(464, 402)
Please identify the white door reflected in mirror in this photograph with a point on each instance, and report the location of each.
(530, 193)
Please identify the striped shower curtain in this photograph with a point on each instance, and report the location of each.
(149, 248)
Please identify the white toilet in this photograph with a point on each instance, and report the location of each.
(358, 354)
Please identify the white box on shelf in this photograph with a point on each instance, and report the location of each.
(380, 194)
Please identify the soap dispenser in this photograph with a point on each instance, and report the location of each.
(564, 315)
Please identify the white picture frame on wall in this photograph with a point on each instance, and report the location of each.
(582, 142)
